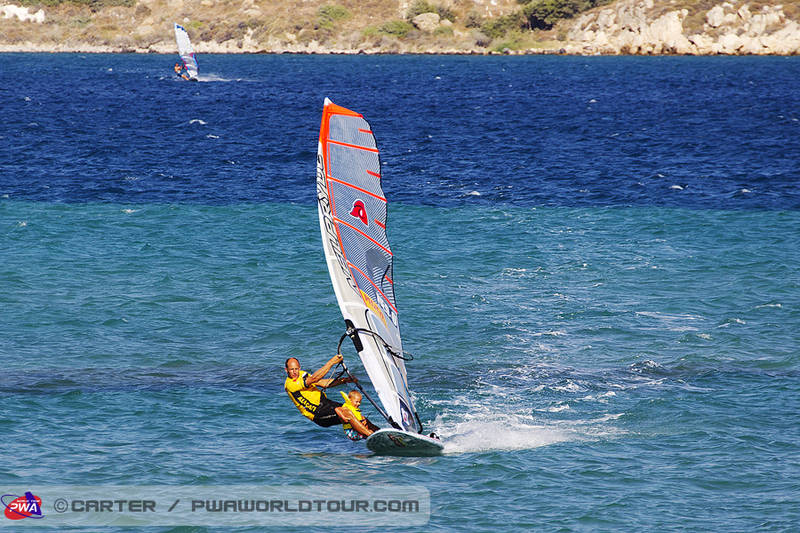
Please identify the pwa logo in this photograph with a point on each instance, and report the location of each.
(19, 507)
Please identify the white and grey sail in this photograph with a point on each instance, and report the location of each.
(352, 216)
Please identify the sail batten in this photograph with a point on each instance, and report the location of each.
(381, 198)
(352, 215)
(360, 232)
(357, 147)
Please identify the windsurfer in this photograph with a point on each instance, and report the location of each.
(179, 71)
(304, 390)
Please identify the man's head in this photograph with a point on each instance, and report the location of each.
(355, 398)
(292, 367)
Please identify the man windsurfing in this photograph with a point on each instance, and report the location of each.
(179, 70)
(304, 389)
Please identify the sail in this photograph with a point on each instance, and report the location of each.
(352, 217)
(185, 50)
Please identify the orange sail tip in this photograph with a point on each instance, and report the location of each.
(333, 109)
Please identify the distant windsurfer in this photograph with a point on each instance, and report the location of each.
(304, 389)
(179, 71)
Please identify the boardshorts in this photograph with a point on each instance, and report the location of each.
(325, 415)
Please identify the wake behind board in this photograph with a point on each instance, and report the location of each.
(404, 443)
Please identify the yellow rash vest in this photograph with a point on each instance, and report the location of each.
(351, 433)
(305, 398)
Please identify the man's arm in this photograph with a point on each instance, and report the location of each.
(327, 383)
(317, 376)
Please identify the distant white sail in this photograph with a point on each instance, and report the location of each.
(186, 52)
(352, 216)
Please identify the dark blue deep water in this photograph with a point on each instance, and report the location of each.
(595, 264)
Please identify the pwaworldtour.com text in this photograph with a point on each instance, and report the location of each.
(234, 505)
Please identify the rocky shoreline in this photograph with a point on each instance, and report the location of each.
(626, 27)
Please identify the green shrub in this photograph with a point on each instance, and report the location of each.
(419, 7)
(328, 15)
(396, 28)
(443, 31)
(513, 41)
(543, 14)
(370, 31)
(497, 27)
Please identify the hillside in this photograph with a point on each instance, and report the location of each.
(392, 26)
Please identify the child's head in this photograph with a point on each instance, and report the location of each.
(355, 398)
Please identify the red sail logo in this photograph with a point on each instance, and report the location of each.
(360, 212)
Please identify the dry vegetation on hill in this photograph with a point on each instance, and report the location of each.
(247, 25)
(318, 26)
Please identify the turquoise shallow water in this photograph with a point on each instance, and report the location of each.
(588, 368)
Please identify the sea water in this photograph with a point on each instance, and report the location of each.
(595, 267)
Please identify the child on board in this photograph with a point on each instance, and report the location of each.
(352, 402)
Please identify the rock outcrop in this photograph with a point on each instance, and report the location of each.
(426, 22)
(22, 13)
(627, 27)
